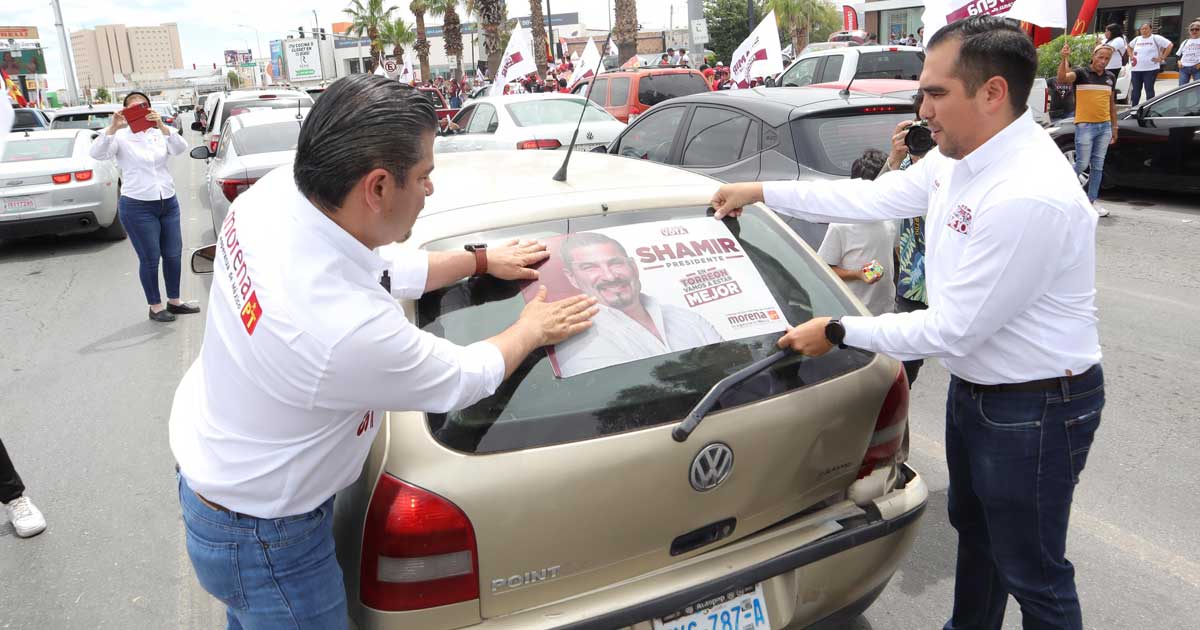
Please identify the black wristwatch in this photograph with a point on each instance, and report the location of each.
(835, 332)
(480, 251)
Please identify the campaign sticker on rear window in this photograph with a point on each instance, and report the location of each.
(661, 287)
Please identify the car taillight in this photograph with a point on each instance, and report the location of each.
(82, 176)
(539, 144)
(234, 187)
(212, 143)
(61, 178)
(418, 550)
(889, 427)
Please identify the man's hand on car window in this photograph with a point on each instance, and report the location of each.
(511, 261)
(730, 198)
(808, 338)
(554, 322)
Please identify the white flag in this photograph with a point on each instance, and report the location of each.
(1045, 13)
(406, 72)
(612, 48)
(379, 71)
(758, 56)
(587, 64)
(516, 62)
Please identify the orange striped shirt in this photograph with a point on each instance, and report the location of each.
(1093, 96)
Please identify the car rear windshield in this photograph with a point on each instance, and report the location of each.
(532, 408)
(899, 64)
(831, 144)
(656, 88)
(233, 108)
(554, 111)
(40, 149)
(267, 138)
(88, 120)
(25, 119)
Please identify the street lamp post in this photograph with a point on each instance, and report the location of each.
(258, 40)
(68, 68)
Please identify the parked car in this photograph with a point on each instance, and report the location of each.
(29, 119)
(479, 92)
(170, 116)
(627, 94)
(527, 121)
(1158, 144)
(566, 503)
(250, 146)
(766, 134)
(93, 117)
(50, 185)
(226, 104)
(435, 96)
(315, 92)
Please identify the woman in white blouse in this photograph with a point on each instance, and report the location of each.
(147, 207)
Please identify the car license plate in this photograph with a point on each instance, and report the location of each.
(744, 609)
(19, 204)
(588, 146)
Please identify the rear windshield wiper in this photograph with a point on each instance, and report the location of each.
(689, 424)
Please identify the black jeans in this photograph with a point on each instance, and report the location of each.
(10, 482)
(911, 368)
(1014, 460)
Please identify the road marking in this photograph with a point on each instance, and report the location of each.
(1142, 550)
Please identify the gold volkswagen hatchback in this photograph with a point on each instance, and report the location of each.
(585, 502)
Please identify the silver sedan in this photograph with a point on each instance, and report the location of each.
(527, 121)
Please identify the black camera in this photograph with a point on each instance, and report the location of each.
(919, 139)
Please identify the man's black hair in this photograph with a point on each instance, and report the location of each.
(1116, 29)
(361, 123)
(990, 47)
(869, 165)
(125, 102)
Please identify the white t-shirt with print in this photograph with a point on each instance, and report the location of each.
(1145, 49)
(1119, 47)
(853, 246)
(1189, 52)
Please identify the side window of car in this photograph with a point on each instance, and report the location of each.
(651, 136)
(484, 120)
(833, 69)
(581, 88)
(1179, 104)
(463, 117)
(801, 74)
(599, 92)
(715, 137)
(223, 145)
(753, 140)
(619, 95)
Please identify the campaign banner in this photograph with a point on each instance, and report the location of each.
(759, 55)
(587, 65)
(1044, 13)
(302, 60)
(661, 287)
(849, 18)
(516, 62)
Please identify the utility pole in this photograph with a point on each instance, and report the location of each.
(68, 67)
(317, 45)
(750, 14)
(550, 26)
(695, 49)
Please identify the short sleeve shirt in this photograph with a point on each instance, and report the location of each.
(1119, 47)
(855, 245)
(1189, 52)
(1093, 95)
(1145, 49)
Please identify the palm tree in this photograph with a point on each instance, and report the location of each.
(491, 14)
(398, 34)
(369, 20)
(538, 26)
(421, 45)
(797, 17)
(625, 30)
(451, 30)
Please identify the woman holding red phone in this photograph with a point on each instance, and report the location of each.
(147, 207)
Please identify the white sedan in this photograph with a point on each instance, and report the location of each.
(527, 121)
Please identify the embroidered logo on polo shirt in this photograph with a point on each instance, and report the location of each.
(960, 220)
(245, 299)
(368, 422)
(251, 312)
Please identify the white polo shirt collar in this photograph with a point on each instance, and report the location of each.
(312, 217)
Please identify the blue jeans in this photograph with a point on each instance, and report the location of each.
(1091, 146)
(1187, 74)
(1014, 460)
(1139, 79)
(270, 573)
(153, 228)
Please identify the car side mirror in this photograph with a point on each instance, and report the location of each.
(1141, 115)
(200, 153)
(198, 126)
(770, 82)
(600, 149)
(493, 127)
(203, 259)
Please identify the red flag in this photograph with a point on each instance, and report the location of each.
(849, 18)
(1085, 17)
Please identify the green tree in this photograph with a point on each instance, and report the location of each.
(728, 26)
(369, 20)
(492, 14)
(398, 34)
(103, 95)
(451, 30)
(234, 80)
(797, 18)
(625, 28)
(1050, 53)
(421, 45)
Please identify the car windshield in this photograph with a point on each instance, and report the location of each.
(281, 136)
(39, 149)
(656, 88)
(25, 119)
(832, 144)
(554, 111)
(534, 408)
(233, 108)
(85, 120)
(899, 64)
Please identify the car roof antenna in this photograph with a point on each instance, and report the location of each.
(846, 90)
(561, 175)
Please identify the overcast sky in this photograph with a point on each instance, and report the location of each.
(208, 27)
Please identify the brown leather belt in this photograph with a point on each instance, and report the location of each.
(1061, 383)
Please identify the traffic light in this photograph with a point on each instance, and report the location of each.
(322, 31)
(301, 29)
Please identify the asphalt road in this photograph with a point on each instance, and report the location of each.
(86, 383)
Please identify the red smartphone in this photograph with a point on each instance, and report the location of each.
(135, 115)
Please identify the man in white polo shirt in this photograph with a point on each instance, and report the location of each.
(305, 350)
(1010, 263)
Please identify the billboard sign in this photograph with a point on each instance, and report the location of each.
(558, 19)
(275, 69)
(23, 61)
(303, 63)
(18, 32)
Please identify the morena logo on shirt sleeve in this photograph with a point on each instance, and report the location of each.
(245, 298)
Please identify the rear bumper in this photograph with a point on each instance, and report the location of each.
(68, 223)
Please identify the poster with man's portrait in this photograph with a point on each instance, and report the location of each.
(661, 287)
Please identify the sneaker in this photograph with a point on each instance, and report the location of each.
(25, 517)
(1100, 210)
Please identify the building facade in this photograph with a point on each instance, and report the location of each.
(112, 55)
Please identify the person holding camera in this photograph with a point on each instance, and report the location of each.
(1095, 115)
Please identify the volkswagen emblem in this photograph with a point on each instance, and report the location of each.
(711, 467)
(590, 135)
